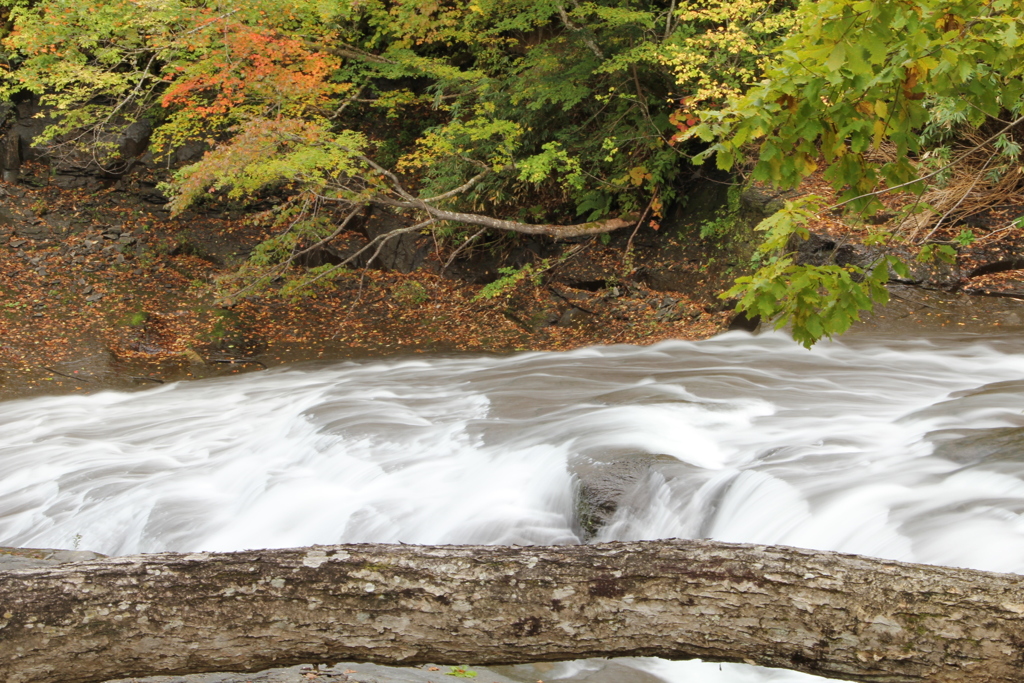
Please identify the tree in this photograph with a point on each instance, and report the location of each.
(842, 616)
(526, 116)
(854, 77)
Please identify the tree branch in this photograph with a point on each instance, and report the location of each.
(556, 231)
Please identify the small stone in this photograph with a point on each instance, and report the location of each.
(94, 297)
(17, 243)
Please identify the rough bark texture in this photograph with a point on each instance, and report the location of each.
(834, 615)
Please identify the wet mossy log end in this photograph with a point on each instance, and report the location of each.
(841, 616)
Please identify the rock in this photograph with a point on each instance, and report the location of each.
(190, 152)
(741, 321)
(7, 219)
(135, 139)
(759, 201)
(571, 317)
(10, 157)
(33, 231)
(59, 225)
(151, 195)
(402, 252)
(30, 124)
(822, 250)
(69, 181)
(532, 317)
(975, 446)
(601, 488)
(94, 297)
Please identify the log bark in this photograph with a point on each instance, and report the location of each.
(841, 616)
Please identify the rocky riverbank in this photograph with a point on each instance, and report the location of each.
(102, 289)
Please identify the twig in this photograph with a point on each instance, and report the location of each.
(461, 247)
(629, 244)
(960, 201)
(380, 238)
(77, 379)
(955, 161)
(236, 361)
(587, 40)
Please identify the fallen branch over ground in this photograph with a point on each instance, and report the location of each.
(834, 615)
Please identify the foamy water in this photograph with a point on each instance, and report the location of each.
(898, 449)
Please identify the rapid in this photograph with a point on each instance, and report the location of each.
(910, 449)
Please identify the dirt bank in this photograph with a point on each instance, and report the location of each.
(103, 289)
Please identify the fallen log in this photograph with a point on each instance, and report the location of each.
(840, 616)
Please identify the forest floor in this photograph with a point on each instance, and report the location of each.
(103, 289)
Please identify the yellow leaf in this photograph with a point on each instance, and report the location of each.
(879, 131)
(881, 109)
(637, 174)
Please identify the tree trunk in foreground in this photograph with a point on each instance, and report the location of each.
(841, 616)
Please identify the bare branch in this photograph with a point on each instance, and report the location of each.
(460, 189)
(461, 247)
(557, 231)
(587, 40)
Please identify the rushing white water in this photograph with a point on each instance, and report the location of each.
(901, 449)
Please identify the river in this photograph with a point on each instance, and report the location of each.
(907, 449)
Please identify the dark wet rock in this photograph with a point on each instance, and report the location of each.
(745, 322)
(10, 157)
(149, 193)
(30, 124)
(603, 486)
(822, 250)
(572, 317)
(534, 320)
(402, 253)
(77, 181)
(933, 275)
(760, 201)
(241, 344)
(8, 220)
(33, 231)
(57, 224)
(189, 153)
(135, 139)
(972, 446)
